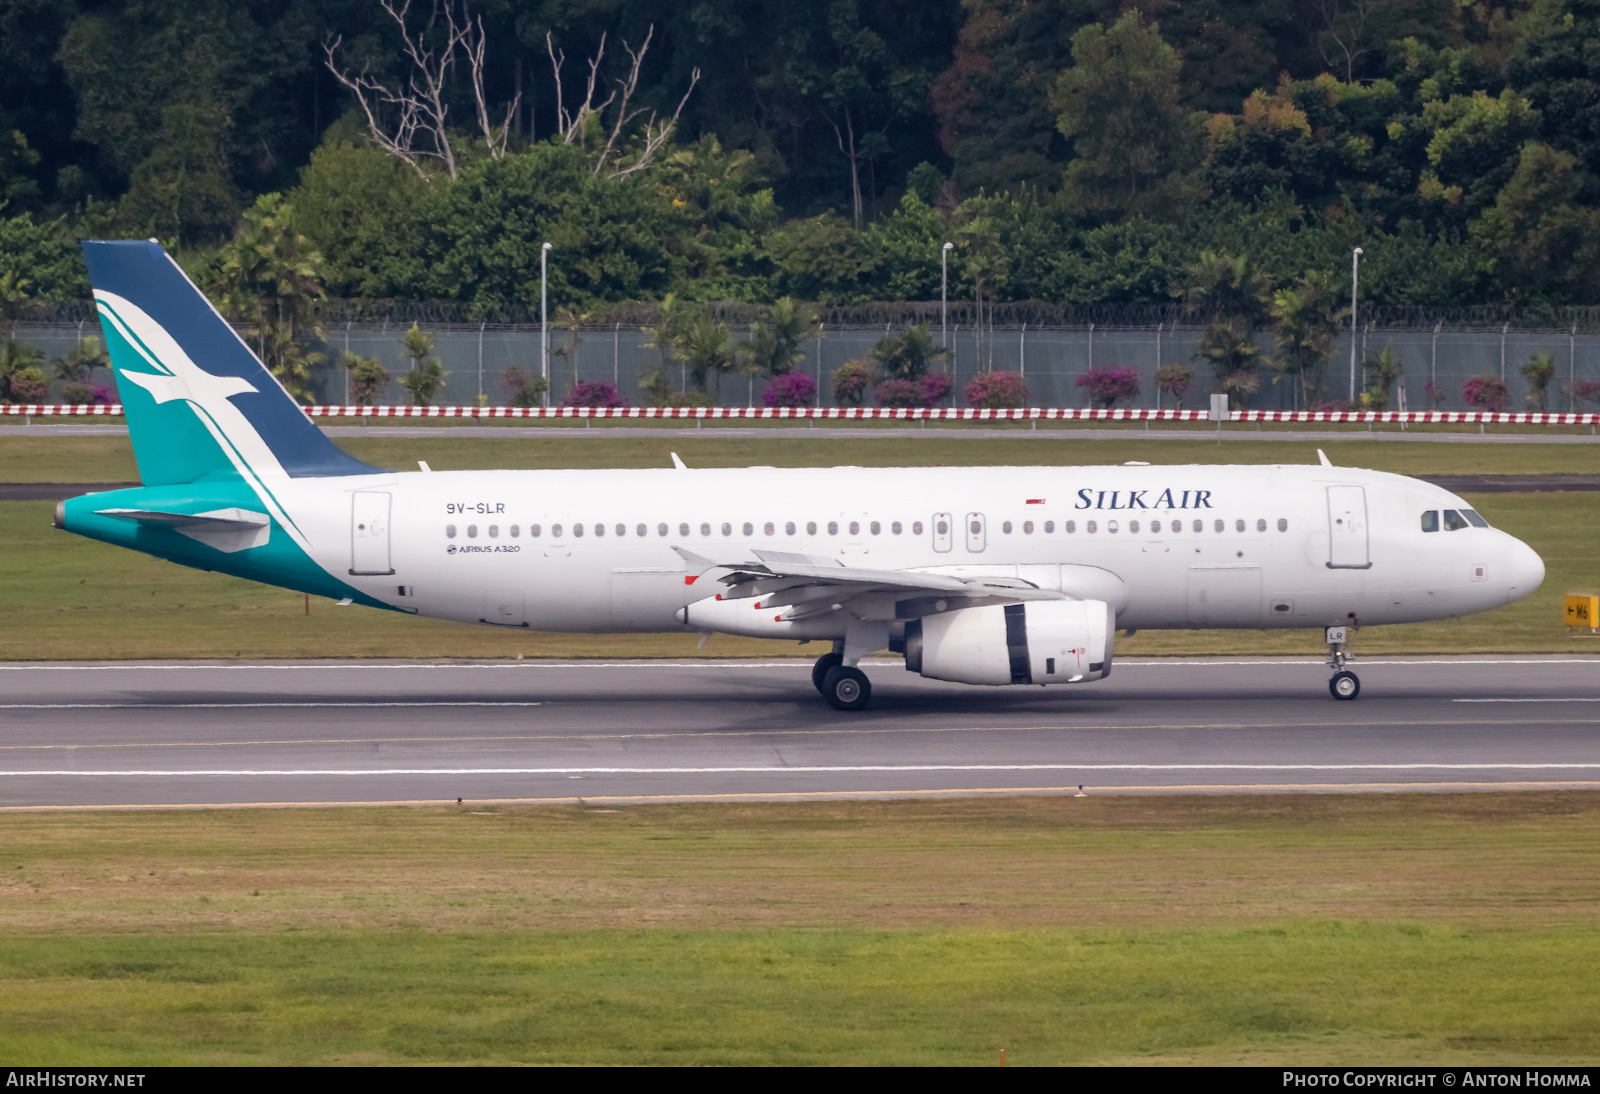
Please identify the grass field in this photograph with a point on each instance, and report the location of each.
(110, 459)
(1378, 929)
(71, 598)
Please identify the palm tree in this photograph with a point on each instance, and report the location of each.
(774, 350)
(270, 277)
(1306, 317)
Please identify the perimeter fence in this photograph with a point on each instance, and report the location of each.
(1437, 361)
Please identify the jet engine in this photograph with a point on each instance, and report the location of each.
(1036, 642)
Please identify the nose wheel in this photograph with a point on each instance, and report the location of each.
(1345, 685)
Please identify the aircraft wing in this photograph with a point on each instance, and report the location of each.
(802, 582)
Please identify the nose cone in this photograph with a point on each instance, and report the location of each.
(1524, 570)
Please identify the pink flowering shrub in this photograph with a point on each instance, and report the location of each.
(997, 390)
(923, 391)
(1486, 393)
(594, 393)
(791, 389)
(1107, 385)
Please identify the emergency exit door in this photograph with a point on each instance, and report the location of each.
(369, 533)
(1349, 544)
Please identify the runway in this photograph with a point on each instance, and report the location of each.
(110, 735)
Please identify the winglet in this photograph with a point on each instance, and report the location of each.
(679, 464)
(1323, 456)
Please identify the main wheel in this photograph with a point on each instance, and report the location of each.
(819, 671)
(846, 688)
(1345, 685)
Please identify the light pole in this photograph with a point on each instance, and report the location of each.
(1355, 281)
(544, 322)
(944, 295)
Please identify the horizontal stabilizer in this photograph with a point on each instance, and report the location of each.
(227, 530)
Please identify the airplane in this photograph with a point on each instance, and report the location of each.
(979, 575)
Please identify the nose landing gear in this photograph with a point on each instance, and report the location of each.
(1344, 684)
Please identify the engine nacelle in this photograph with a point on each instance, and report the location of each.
(1036, 642)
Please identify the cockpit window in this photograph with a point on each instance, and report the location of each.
(1453, 521)
(1430, 521)
(1472, 515)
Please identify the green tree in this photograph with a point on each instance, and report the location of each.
(1539, 371)
(271, 278)
(1380, 374)
(369, 380)
(425, 378)
(908, 356)
(1305, 318)
(1545, 243)
(777, 344)
(1119, 105)
(706, 349)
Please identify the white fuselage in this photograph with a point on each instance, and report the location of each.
(1186, 546)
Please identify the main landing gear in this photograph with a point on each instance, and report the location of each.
(1344, 684)
(843, 686)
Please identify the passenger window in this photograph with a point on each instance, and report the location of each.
(1070, 527)
(555, 531)
(788, 529)
(1005, 526)
(1218, 526)
(749, 529)
(1133, 526)
(683, 530)
(705, 530)
(916, 528)
(1027, 527)
(661, 530)
(1199, 526)
(644, 530)
(727, 529)
(895, 528)
(534, 531)
(1111, 527)
(1283, 524)
(515, 531)
(875, 528)
(1238, 526)
(942, 528)
(1261, 525)
(1090, 527)
(1430, 520)
(494, 531)
(449, 531)
(1472, 515)
(769, 528)
(833, 527)
(577, 531)
(1155, 526)
(855, 528)
(811, 527)
(599, 529)
(472, 531)
(1453, 522)
(1049, 526)
(622, 529)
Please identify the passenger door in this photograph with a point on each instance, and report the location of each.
(1348, 540)
(369, 533)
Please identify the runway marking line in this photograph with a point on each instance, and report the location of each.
(358, 705)
(767, 734)
(799, 769)
(813, 795)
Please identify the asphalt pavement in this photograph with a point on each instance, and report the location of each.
(107, 735)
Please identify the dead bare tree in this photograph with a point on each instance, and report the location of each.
(1344, 31)
(575, 126)
(399, 117)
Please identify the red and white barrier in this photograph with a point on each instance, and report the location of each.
(853, 414)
